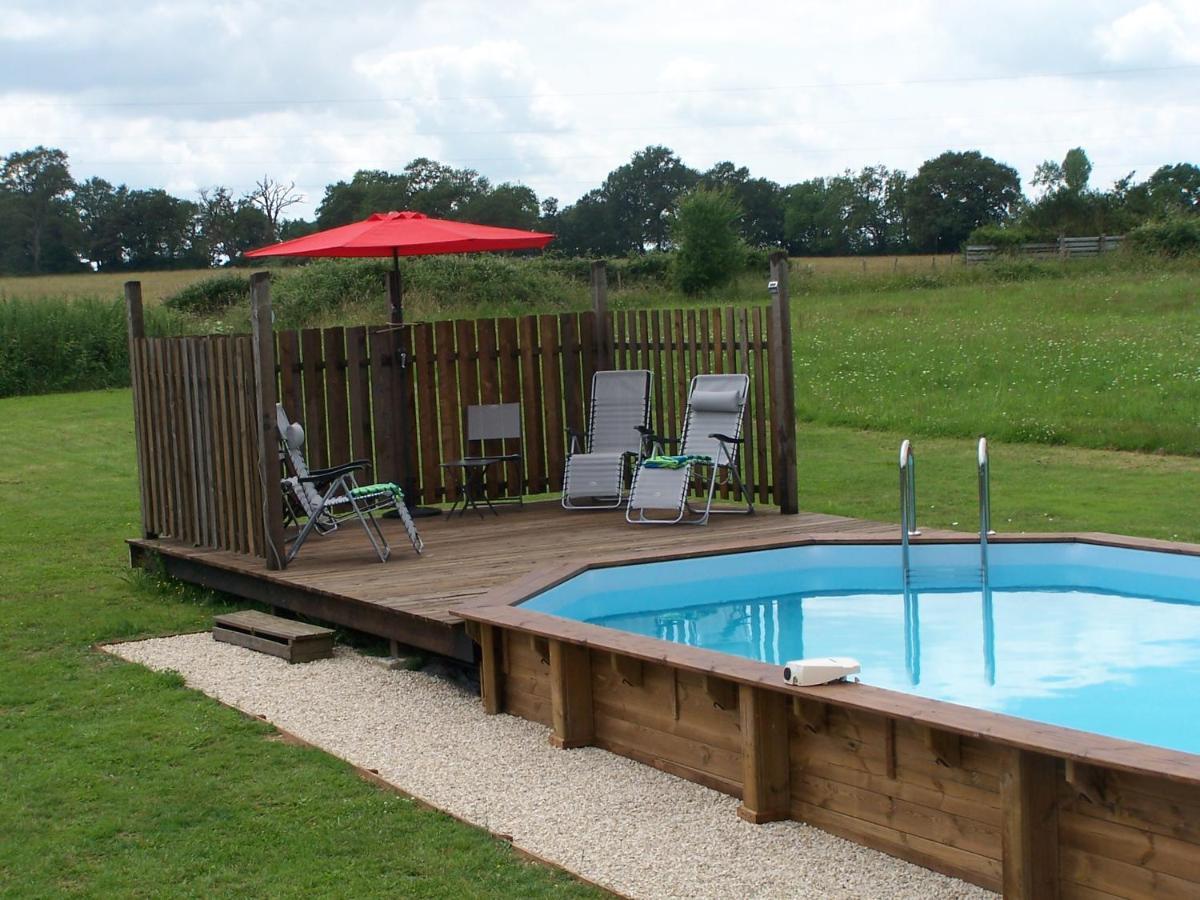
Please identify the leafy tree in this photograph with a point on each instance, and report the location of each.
(1171, 190)
(587, 228)
(642, 193)
(705, 229)
(161, 232)
(846, 214)
(761, 201)
(955, 193)
(217, 221)
(506, 205)
(370, 190)
(38, 186)
(101, 211)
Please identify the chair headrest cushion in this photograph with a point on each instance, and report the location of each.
(294, 435)
(716, 401)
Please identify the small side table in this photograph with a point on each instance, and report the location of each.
(472, 481)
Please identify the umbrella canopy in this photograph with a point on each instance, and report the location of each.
(406, 234)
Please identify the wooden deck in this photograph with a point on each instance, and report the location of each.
(412, 598)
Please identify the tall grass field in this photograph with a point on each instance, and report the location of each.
(1102, 354)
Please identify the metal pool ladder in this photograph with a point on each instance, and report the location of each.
(908, 504)
(908, 500)
(985, 507)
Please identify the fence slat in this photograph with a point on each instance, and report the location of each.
(510, 392)
(552, 401)
(288, 354)
(408, 397)
(587, 341)
(254, 485)
(336, 400)
(316, 444)
(468, 371)
(488, 365)
(383, 404)
(423, 371)
(450, 413)
(531, 404)
(358, 390)
(572, 366)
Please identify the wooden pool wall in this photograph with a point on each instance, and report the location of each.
(1015, 806)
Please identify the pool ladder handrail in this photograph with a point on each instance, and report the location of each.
(985, 506)
(908, 499)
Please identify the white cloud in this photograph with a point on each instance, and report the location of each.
(1154, 34)
(557, 95)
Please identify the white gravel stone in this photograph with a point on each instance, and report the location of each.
(621, 824)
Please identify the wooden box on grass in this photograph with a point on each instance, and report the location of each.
(288, 639)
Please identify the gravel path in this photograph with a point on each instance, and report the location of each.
(619, 823)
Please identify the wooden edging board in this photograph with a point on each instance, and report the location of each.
(498, 608)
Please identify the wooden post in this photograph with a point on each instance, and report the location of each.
(262, 337)
(603, 348)
(783, 384)
(398, 373)
(570, 696)
(1029, 830)
(766, 779)
(491, 671)
(135, 324)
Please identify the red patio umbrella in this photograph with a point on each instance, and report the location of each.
(397, 234)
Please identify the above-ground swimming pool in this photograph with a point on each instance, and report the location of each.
(1098, 638)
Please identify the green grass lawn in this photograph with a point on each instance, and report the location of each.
(1107, 360)
(118, 781)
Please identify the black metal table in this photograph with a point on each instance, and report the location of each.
(472, 481)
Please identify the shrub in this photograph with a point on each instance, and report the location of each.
(305, 293)
(1172, 237)
(210, 296)
(1007, 239)
(51, 344)
(710, 251)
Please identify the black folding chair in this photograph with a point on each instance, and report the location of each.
(485, 423)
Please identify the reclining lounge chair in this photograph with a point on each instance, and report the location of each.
(326, 497)
(595, 469)
(712, 435)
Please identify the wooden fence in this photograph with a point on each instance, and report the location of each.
(194, 410)
(1063, 248)
(395, 395)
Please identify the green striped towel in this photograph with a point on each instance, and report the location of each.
(386, 487)
(674, 462)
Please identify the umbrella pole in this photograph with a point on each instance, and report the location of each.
(395, 292)
(403, 433)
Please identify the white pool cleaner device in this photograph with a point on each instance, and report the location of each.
(820, 670)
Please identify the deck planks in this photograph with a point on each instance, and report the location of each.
(466, 557)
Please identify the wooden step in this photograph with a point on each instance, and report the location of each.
(286, 638)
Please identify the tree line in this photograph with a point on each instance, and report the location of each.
(49, 222)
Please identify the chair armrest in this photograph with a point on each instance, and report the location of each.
(726, 439)
(319, 475)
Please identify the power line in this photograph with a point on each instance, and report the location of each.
(641, 92)
(313, 135)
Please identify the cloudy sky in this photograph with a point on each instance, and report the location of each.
(185, 95)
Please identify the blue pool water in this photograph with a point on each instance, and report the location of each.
(1101, 639)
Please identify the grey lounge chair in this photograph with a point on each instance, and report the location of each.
(326, 497)
(595, 468)
(712, 434)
